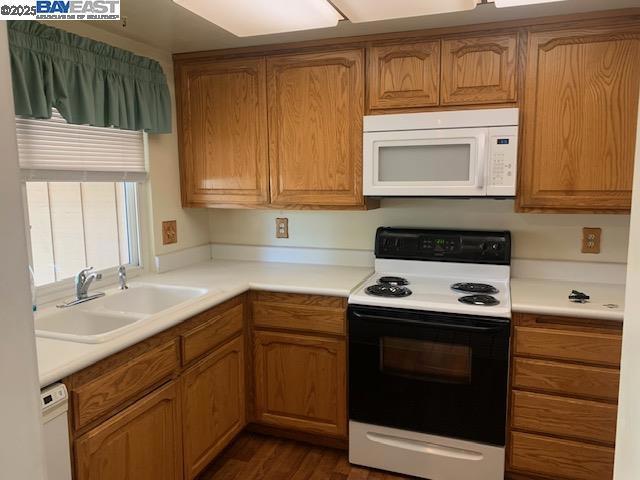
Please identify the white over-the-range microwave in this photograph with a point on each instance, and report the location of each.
(441, 154)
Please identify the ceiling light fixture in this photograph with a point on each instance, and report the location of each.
(372, 10)
(247, 18)
(518, 3)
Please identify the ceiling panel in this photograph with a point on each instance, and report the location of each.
(247, 18)
(373, 10)
(169, 27)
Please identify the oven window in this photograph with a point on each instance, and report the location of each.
(444, 362)
(424, 163)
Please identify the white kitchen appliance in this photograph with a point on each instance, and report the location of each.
(54, 401)
(429, 336)
(470, 153)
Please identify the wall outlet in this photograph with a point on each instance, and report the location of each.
(591, 240)
(169, 232)
(282, 228)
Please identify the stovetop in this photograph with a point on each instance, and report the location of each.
(450, 271)
(429, 287)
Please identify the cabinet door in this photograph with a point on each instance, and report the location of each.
(223, 132)
(142, 442)
(300, 382)
(213, 396)
(316, 103)
(580, 116)
(479, 70)
(404, 76)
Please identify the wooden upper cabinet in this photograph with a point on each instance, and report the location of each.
(404, 76)
(479, 70)
(223, 132)
(142, 442)
(316, 104)
(580, 113)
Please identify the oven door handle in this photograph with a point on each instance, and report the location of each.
(426, 323)
(424, 447)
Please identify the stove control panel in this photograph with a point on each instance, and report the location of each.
(460, 246)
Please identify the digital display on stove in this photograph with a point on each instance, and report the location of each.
(439, 245)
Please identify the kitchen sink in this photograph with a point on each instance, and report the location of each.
(149, 299)
(85, 326)
(108, 317)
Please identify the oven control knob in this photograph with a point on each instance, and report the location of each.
(496, 247)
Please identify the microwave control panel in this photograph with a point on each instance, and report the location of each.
(503, 161)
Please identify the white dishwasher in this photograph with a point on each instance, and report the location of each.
(55, 430)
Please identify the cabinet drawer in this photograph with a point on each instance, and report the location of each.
(212, 333)
(309, 313)
(581, 419)
(566, 378)
(560, 459)
(108, 391)
(588, 347)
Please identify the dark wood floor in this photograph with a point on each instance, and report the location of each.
(252, 457)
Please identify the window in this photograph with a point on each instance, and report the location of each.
(81, 195)
(74, 225)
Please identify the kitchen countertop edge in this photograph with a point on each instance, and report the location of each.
(82, 355)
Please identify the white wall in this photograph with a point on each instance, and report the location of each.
(20, 442)
(627, 466)
(163, 193)
(538, 236)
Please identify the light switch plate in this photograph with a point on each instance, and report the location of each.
(169, 232)
(591, 240)
(282, 228)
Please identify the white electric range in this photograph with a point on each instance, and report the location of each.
(428, 355)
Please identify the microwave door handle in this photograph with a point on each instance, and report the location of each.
(482, 159)
(480, 175)
(427, 323)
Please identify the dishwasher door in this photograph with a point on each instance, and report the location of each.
(55, 429)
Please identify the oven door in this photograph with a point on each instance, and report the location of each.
(447, 162)
(429, 372)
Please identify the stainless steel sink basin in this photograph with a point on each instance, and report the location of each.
(108, 317)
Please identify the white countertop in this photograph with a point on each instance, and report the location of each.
(226, 278)
(550, 297)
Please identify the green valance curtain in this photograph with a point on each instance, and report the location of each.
(88, 82)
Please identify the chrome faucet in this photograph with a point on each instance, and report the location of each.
(122, 277)
(83, 281)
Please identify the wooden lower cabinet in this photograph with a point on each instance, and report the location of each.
(556, 458)
(300, 382)
(564, 391)
(567, 417)
(143, 442)
(213, 394)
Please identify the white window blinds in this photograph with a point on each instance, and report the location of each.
(54, 150)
